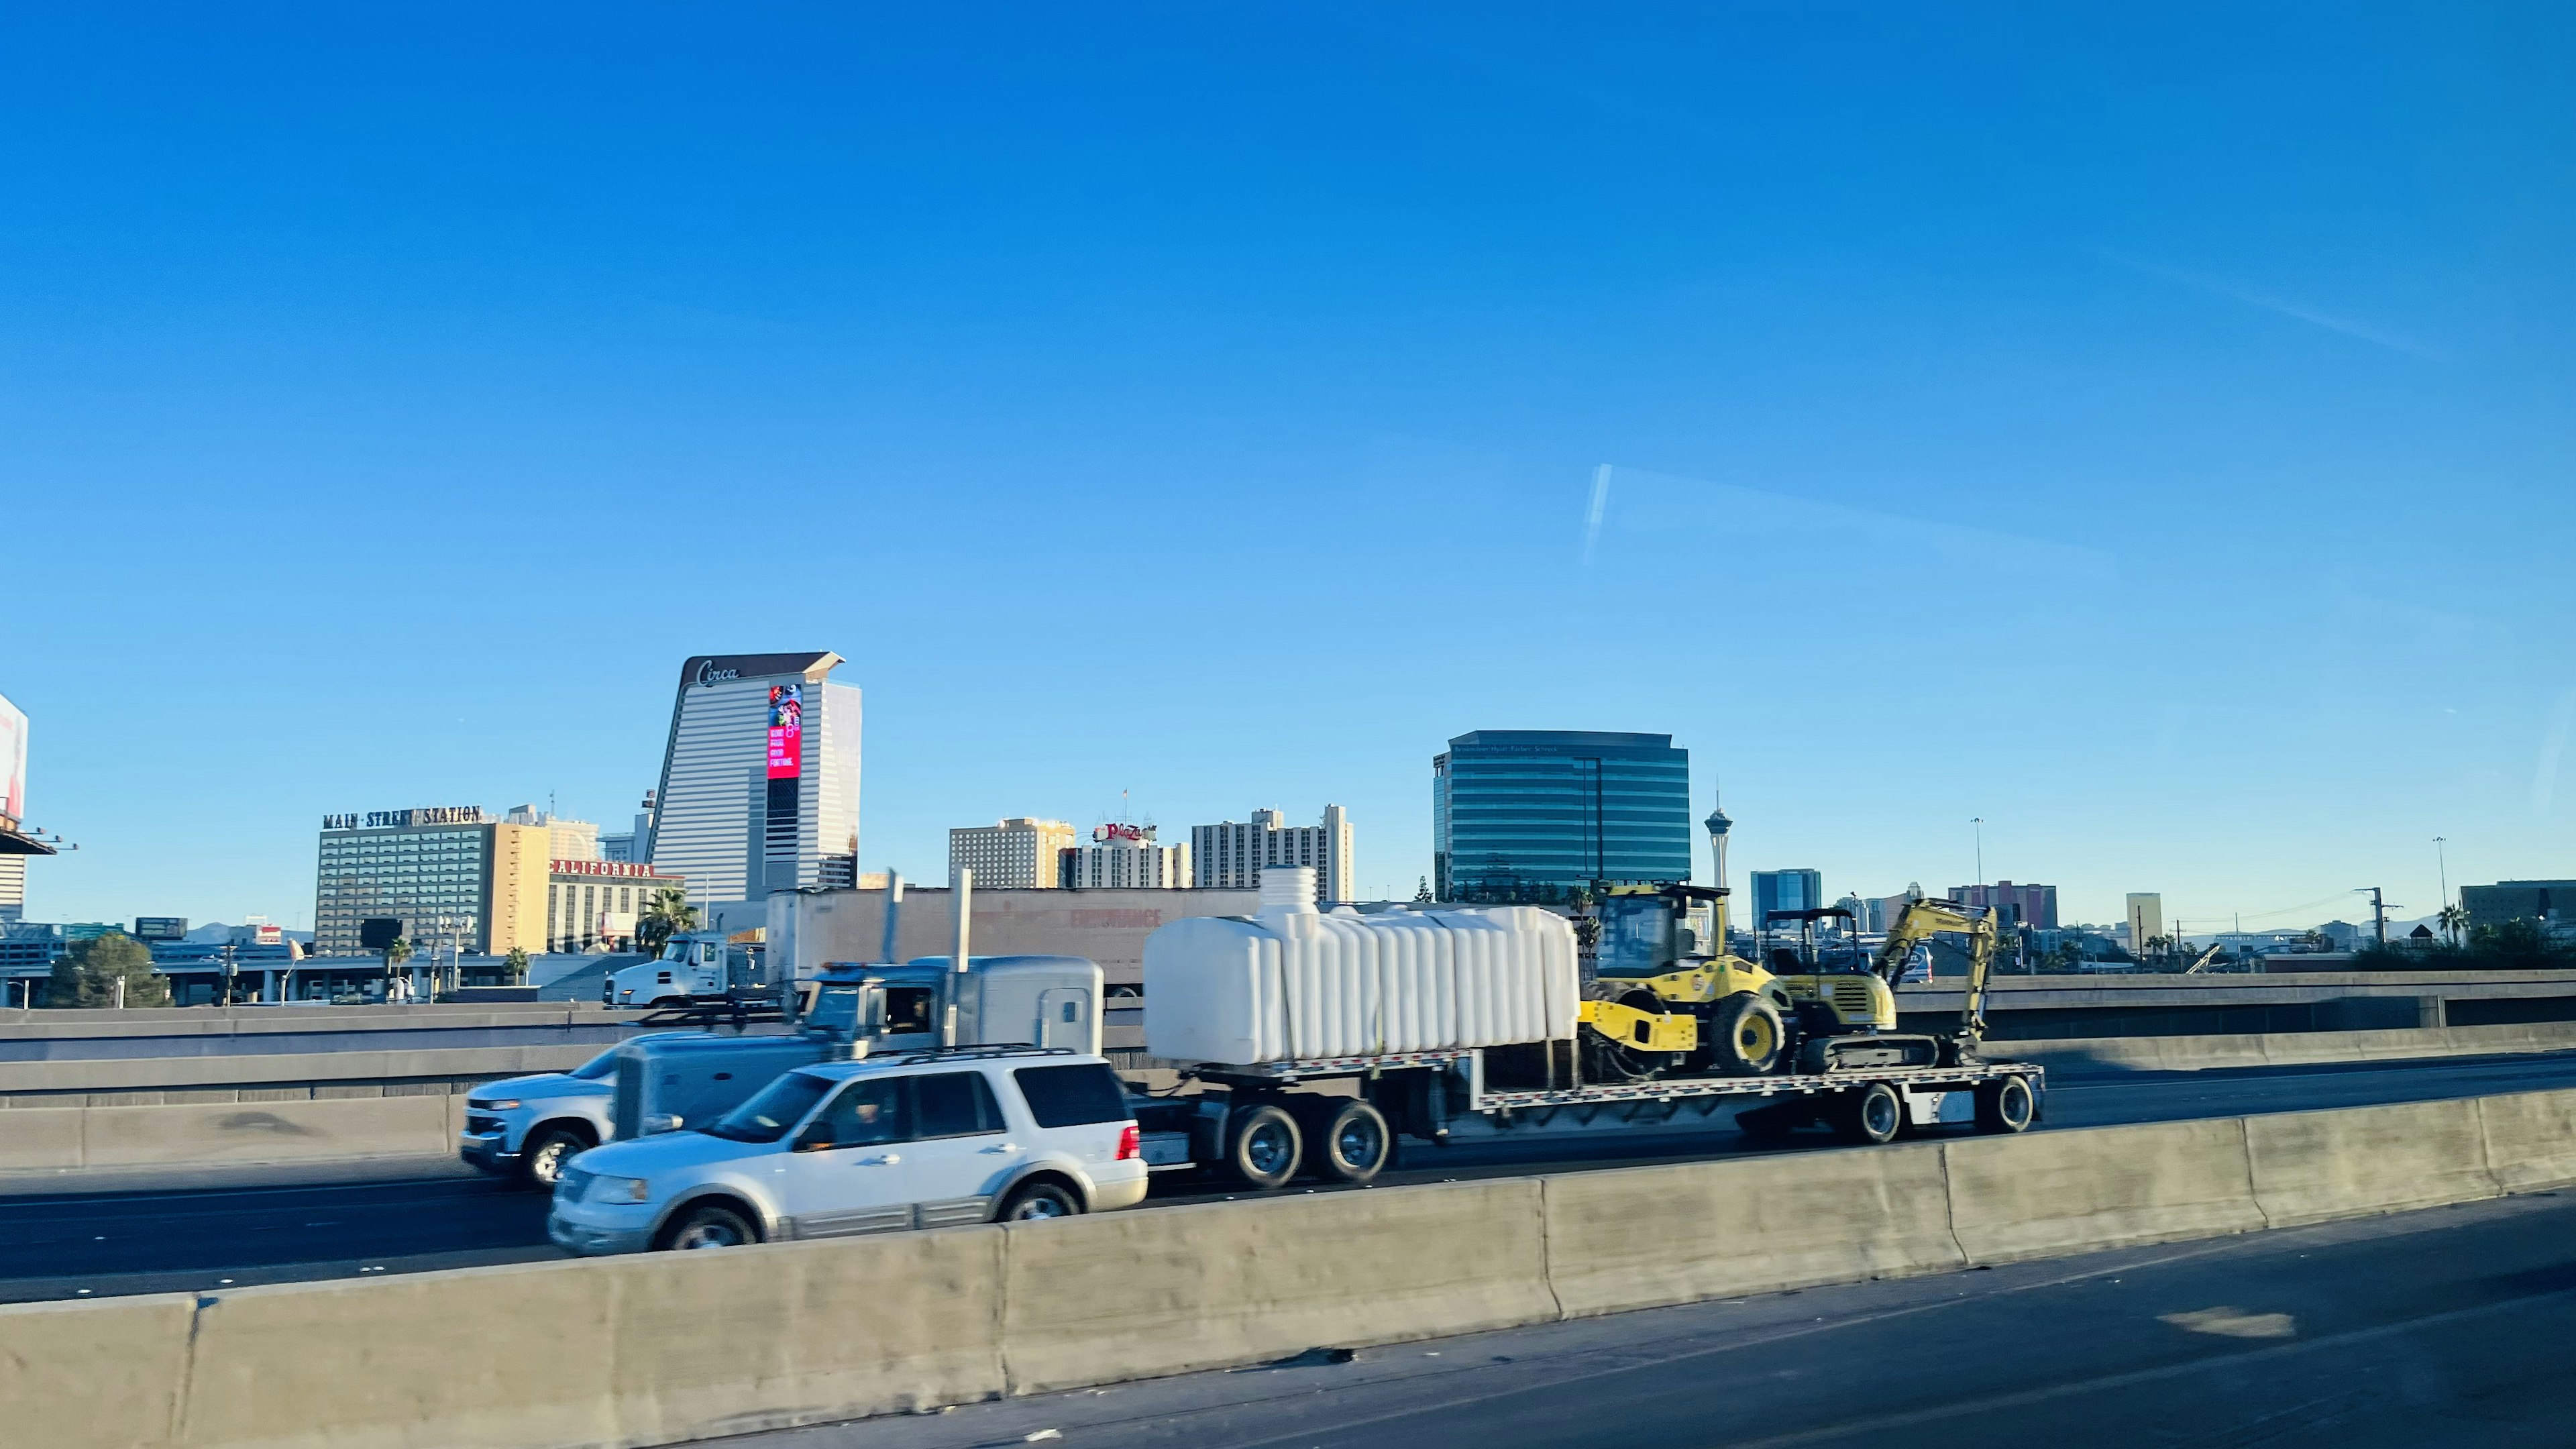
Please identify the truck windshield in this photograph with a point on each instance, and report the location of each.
(599, 1068)
(772, 1110)
(675, 951)
(836, 1009)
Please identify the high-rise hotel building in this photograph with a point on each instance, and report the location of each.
(1230, 855)
(485, 879)
(760, 777)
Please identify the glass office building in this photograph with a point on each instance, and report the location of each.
(1533, 815)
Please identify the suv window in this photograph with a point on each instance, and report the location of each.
(1071, 1096)
(868, 1112)
(954, 1104)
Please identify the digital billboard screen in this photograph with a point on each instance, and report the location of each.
(786, 731)
(13, 762)
(160, 928)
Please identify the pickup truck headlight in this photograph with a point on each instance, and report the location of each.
(496, 1104)
(620, 1189)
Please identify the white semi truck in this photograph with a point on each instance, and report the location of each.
(1310, 1042)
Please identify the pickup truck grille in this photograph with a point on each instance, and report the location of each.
(479, 1124)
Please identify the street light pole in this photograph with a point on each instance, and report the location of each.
(1980, 823)
(2442, 859)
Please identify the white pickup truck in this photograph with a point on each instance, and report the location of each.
(527, 1128)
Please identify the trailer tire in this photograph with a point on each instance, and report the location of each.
(1351, 1145)
(1871, 1114)
(1263, 1145)
(1747, 1036)
(2005, 1106)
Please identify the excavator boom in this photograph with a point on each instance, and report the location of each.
(1918, 923)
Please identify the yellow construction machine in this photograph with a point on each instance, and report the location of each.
(1668, 999)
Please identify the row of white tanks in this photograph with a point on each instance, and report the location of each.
(1298, 984)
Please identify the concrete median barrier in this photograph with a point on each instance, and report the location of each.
(104, 1375)
(2316, 1166)
(2530, 1139)
(1096, 1299)
(1642, 1237)
(262, 1131)
(41, 1140)
(729, 1343)
(2109, 1187)
(478, 1358)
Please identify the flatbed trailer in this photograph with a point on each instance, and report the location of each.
(1340, 1119)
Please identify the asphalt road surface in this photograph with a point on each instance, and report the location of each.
(2420, 1331)
(194, 1229)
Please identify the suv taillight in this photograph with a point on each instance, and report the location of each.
(1131, 1143)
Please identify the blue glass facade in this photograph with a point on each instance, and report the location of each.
(1532, 815)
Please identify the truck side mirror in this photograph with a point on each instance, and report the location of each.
(815, 1137)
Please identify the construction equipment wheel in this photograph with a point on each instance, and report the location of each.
(2005, 1106)
(1352, 1145)
(1262, 1145)
(1871, 1114)
(1747, 1036)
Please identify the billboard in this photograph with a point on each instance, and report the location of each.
(786, 731)
(13, 763)
(160, 928)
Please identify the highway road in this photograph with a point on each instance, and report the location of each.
(188, 1230)
(2417, 1331)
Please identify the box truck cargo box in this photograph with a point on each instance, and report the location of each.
(1298, 984)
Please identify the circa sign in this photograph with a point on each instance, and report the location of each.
(709, 674)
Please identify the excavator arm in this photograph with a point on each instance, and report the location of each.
(1919, 922)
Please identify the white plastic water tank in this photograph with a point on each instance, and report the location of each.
(1297, 984)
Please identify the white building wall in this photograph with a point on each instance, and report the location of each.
(831, 781)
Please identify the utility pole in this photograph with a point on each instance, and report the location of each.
(2378, 914)
(2442, 859)
(1980, 823)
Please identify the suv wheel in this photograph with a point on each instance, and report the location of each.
(709, 1225)
(542, 1160)
(1037, 1202)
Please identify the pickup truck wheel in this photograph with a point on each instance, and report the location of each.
(542, 1159)
(709, 1225)
(1872, 1114)
(1353, 1145)
(1262, 1146)
(2004, 1106)
(1036, 1202)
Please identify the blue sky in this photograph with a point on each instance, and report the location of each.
(2149, 431)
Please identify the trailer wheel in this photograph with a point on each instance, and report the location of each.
(1352, 1145)
(1262, 1145)
(1872, 1114)
(1747, 1035)
(2004, 1106)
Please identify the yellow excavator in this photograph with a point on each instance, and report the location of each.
(1667, 998)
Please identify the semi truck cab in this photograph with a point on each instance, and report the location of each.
(693, 966)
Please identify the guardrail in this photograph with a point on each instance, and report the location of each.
(662, 1348)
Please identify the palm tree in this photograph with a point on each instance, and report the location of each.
(666, 915)
(2454, 919)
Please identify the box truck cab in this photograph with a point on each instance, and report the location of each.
(693, 966)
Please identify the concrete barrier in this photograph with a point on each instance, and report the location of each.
(56, 1140)
(2530, 1139)
(143, 1081)
(1123, 1295)
(2062, 1192)
(632, 1351)
(1641, 1237)
(2110, 1055)
(2315, 1166)
(102, 1375)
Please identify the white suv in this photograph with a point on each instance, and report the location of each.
(918, 1140)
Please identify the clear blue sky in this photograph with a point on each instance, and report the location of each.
(2148, 431)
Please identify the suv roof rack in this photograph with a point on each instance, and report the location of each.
(969, 1053)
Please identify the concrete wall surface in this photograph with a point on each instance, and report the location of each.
(149, 1081)
(2108, 1055)
(68, 1138)
(665, 1348)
